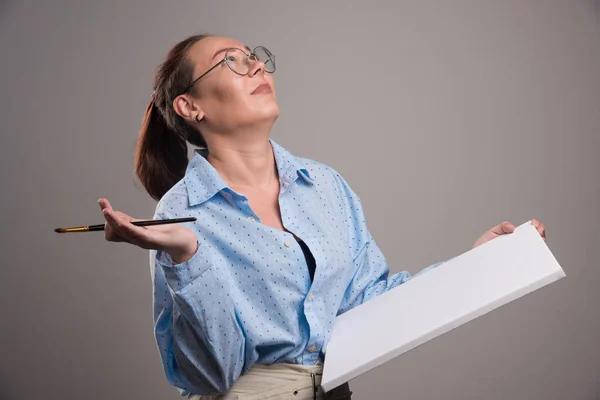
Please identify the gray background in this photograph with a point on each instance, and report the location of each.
(445, 117)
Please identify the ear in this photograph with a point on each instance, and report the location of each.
(187, 108)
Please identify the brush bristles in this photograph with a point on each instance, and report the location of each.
(85, 228)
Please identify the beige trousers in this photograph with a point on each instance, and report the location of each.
(279, 382)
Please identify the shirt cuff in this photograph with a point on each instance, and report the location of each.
(180, 275)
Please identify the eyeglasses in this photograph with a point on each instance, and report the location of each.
(239, 62)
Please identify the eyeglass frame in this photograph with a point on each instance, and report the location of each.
(224, 60)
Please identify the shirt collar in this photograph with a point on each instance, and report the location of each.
(203, 181)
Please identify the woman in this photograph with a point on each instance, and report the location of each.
(245, 297)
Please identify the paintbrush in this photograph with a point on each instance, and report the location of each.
(100, 227)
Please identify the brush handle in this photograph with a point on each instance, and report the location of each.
(100, 227)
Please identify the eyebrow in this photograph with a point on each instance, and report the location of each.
(227, 48)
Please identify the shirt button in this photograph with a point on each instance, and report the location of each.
(309, 297)
(287, 243)
(251, 218)
(312, 348)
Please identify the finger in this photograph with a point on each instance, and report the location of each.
(126, 221)
(124, 217)
(503, 228)
(115, 222)
(123, 226)
(539, 226)
(108, 214)
(104, 203)
(111, 228)
(111, 219)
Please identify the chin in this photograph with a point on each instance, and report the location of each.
(270, 111)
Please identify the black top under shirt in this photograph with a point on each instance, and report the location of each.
(310, 260)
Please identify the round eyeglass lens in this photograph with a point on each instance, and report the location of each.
(237, 61)
(267, 58)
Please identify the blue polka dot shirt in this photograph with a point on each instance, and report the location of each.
(246, 297)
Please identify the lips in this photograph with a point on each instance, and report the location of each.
(262, 88)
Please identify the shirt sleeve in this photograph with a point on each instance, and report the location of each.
(371, 275)
(196, 328)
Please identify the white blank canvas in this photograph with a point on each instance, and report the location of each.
(438, 301)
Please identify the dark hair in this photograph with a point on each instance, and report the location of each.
(161, 150)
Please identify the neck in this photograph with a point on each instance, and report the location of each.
(246, 161)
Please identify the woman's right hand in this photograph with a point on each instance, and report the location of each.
(181, 243)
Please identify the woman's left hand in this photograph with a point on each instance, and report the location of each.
(507, 227)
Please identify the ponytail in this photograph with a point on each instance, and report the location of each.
(161, 154)
(161, 151)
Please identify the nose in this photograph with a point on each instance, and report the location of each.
(256, 68)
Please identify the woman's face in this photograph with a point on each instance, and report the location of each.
(228, 101)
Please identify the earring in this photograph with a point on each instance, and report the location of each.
(196, 118)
